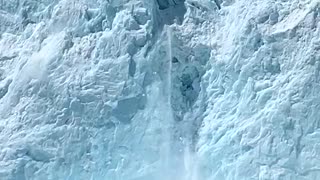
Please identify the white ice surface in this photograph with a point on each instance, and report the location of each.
(120, 90)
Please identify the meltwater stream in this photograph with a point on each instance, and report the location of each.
(167, 116)
(176, 164)
(169, 77)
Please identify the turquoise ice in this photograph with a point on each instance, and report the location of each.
(159, 90)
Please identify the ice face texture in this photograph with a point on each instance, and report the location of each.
(159, 90)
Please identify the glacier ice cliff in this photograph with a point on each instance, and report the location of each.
(159, 90)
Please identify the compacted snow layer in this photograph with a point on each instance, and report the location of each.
(159, 90)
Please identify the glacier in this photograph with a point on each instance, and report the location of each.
(159, 89)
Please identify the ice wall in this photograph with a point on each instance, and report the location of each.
(159, 90)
